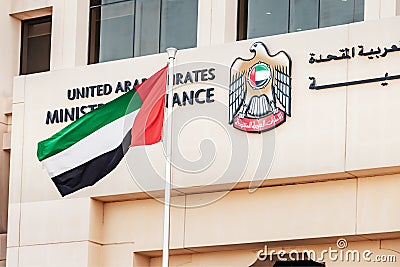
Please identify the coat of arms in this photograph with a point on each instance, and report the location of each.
(260, 90)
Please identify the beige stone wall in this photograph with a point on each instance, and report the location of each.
(246, 257)
(377, 9)
(337, 131)
(346, 137)
(229, 232)
(9, 53)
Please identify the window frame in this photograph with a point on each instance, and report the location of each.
(23, 64)
(94, 33)
(242, 18)
(94, 38)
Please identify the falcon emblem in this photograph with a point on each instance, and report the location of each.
(260, 90)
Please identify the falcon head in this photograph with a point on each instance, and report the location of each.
(258, 47)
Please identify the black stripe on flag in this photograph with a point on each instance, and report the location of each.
(92, 171)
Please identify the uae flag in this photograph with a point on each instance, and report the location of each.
(259, 75)
(92, 146)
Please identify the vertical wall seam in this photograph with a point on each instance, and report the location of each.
(57, 57)
(184, 222)
(21, 174)
(211, 22)
(347, 105)
(63, 60)
(75, 60)
(356, 215)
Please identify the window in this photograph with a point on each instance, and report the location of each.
(258, 18)
(35, 46)
(129, 28)
(305, 263)
(275, 261)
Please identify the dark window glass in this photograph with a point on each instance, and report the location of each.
(36, 44)
(147, 39)
(267, 17)
(358, 10)
(303, 15)
(116, 30)
(304, 263)
(126, 28)
(258, 18)
(336, 12)
(179, 24)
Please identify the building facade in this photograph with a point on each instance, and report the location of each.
(284, 137)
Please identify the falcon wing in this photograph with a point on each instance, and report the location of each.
(282, 87)
(237, 92)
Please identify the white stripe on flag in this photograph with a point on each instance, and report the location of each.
(103, 140)
(262, 75)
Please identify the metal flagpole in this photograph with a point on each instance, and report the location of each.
(171, 57)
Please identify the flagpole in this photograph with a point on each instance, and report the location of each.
(165, 257)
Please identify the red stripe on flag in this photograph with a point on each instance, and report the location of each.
(253, 75)
(147, 128)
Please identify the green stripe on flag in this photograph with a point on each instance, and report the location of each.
(261, 67)
(88, 124)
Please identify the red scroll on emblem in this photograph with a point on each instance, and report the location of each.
(260, 124)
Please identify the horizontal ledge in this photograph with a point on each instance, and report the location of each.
(271, 244)
(31, 14)
(284, 181)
